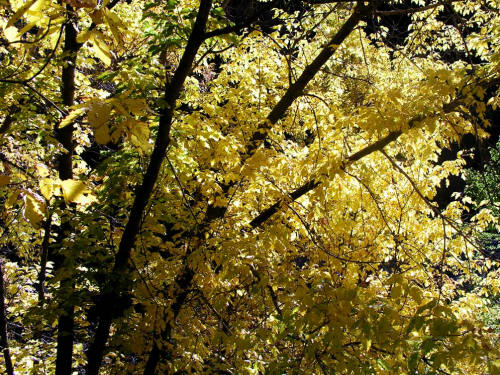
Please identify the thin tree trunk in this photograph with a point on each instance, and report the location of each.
(65, 326)
(65, 169)
(4, 341)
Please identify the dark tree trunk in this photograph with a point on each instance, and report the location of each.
(65, 168)
(4, 341)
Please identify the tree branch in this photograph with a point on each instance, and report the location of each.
(297, 88)
(312, 184)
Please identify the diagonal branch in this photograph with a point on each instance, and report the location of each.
(292, 93)
(297, 88)
(376, 146)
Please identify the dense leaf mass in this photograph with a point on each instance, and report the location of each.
(244, 187)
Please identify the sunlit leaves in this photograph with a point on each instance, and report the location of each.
(47, 188)
(100, 47)
(73, 191)
(20, 12)
(363, 274)
(108, 129)
(33, 209)
(10, 33)
(99, 114)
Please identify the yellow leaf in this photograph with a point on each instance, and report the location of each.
(136, 106)
(42, 170)
(101, 135)
(396, 291)
(19, 13)
(112, 18)
(103, 54)
(4, 180)
(33, 210)
(10, 34)
(118, 106)
(416, 294)
(139, 133)
(99, 114)
(83, 37)
(47, 187)
(71, 117)
(12, 199)
(101, 49)
(73, 191)
(115, 24)
(39, 7)
(367, 344)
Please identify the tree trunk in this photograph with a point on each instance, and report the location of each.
(65, 168)
(4, 341)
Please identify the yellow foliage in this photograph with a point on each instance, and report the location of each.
(281, 203)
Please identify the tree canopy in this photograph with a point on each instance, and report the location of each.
(243, 187)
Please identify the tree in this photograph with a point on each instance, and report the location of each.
(241, 187)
